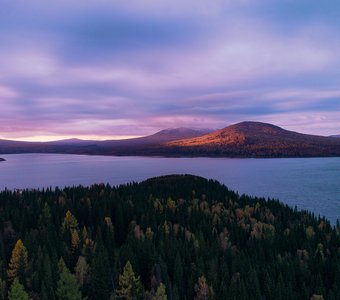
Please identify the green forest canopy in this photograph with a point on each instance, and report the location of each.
(172, 237)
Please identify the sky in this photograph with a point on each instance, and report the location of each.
(122, 68)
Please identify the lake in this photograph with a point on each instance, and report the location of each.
(308, 183)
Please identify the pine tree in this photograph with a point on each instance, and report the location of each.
(253, 286)
(70, 222)
(202, 289)
(100, 275)
(160, 293)
(279, 288)
(18, 264)
(178, 274)
(130, 286)
(82, 270)
(46, 227)
(47, 280)
(71, 238)
(44, 294)
(108, 238)
(212, 274)
(317, 297)
(319, 288)
(175, 294)
(17, 291)
(67, 287)
(268, 285)
(2, 289)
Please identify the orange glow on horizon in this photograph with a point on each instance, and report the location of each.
(51, 138)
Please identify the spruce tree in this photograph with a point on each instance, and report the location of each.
(2, 289)
(160, 293)
(130, 286)
(178, 274)
(100, 275)
(17, 291)
(46, 227)
(47, 279)
(44, 294)
(70, 222)
(67, 287)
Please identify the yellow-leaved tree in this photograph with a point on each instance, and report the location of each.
(70, 222)
(130, 286)
(18, 264)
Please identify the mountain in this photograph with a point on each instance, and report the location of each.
(107, 147)
(256, 139)
(72, 141)
(172, 134)
(165, 135)
(146, 145)
(246, 139)
(8, 146)
(336, 136)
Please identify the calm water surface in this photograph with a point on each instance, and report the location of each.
(308, 183)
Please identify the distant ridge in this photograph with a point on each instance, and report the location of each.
(245, 139)
(172, 134)
(163, 136)
(107, 147)
(72, 141)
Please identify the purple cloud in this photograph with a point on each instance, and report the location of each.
(114, 68)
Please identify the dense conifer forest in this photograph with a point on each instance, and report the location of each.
(173, 237)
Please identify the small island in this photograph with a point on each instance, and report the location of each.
(2, 159)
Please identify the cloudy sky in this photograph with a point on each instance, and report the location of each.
(117, 68)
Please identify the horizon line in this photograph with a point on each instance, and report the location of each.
(86, 137)
(57, 138)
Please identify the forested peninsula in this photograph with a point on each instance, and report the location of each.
(172, 237)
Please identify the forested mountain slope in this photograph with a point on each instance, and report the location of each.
(258, 140)
(180, 236)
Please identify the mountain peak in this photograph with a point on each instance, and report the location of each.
(254, 124)
(171, 134)
(259, 139)
(235, 133)
(252, 127)
(183, 130)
